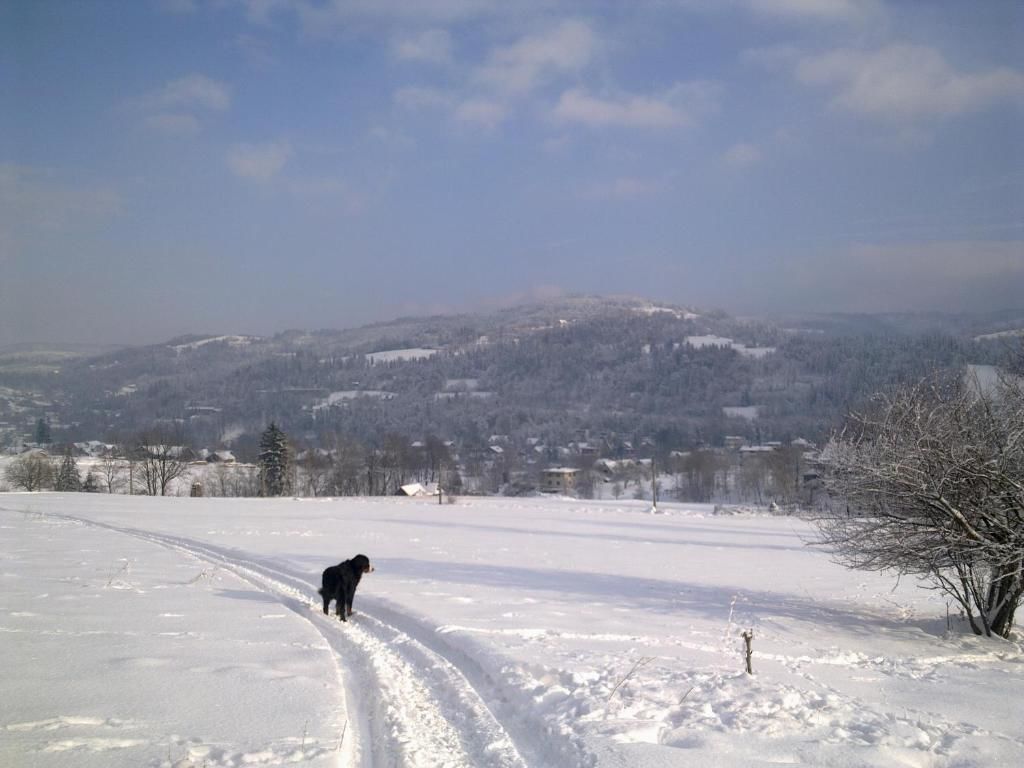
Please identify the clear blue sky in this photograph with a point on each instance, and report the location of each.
(246, 166)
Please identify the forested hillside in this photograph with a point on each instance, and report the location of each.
(623, 369)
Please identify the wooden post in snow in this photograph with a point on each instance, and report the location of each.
(748, 637)
(654, 485)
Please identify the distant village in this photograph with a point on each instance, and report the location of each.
(595, 465)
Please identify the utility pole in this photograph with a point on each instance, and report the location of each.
(654, 485)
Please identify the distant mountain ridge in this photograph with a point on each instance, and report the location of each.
(556, 368)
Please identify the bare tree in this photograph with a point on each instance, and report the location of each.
(347, 468)
(784, 466)
(30, 472)
(702, 468)
(316, 472)
(111, 471)
(394, 462)
(237, 480)
(930, 482)
(160, 462)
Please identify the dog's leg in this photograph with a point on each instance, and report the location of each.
(340, 605)
(327, 603)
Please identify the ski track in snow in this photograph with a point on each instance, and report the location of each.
(413, 701)
(419, 694)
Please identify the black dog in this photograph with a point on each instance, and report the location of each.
(340, 582)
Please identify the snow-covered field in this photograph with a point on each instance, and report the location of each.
(187, 632)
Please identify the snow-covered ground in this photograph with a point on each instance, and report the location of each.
(187, 632)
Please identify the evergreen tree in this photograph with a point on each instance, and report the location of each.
(67, 478)
(275, 462)
(92, 483)
(42, 431)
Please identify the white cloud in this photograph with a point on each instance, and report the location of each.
(678, 107)
(907, 82)
(172, 124)
(522, 66)
(432, 45)
(175, 108)
(258, 162)
(195, 91)
(742, 155)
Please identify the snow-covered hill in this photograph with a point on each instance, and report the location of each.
(187, 632)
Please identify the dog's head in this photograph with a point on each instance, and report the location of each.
(362, 563)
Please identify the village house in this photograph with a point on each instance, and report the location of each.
(559, 480)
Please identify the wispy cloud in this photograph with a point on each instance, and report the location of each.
(742, 155)
(481, 112)
(195, 91)
(258, 162)
(260, 11)
(433, 46)
(256, 51)
(507, 78)
(907, 82)
(817, 10)
(679, 107)
(415, 97)
(328, 18)
(179, 107)
(523, 65)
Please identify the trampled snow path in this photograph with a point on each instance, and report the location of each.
(412, 699)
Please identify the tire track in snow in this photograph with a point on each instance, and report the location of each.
(431, 705)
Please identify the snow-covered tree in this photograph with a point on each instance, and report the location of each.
(275, 462)
(930, 482)
(67, 478)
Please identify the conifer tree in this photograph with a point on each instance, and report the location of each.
(42, 434)
(92, 483)
(275, 462)
(67, 478)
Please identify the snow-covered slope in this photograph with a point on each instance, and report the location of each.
(188, 632)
